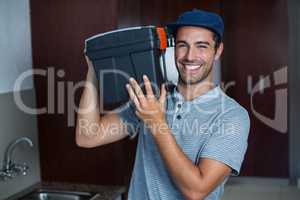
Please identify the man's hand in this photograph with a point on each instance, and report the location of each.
(149, 108)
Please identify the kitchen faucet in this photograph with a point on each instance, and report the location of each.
(9, 168)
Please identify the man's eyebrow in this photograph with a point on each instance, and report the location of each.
(203, 42)
(180, 41)
(197, 43)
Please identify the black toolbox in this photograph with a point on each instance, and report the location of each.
(124, 53)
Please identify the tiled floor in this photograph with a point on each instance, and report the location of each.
(261, 189)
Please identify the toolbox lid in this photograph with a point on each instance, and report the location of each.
(120, 37)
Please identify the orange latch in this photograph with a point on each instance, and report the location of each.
(161, 32)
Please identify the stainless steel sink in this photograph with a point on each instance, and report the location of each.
(43, 194)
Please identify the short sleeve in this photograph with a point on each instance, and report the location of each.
(129, 118)
(228, 140)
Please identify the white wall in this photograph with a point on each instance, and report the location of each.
(14, 124)
(15, 58)
(15, 43)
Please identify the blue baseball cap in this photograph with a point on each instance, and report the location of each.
(200, 18)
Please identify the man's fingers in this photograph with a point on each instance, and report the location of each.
(148, 87)
(163, 94)
(133, 97)
(138, 91)
(138, 114)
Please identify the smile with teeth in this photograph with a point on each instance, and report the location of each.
(192, 67)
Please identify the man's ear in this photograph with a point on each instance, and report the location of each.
(219, 51)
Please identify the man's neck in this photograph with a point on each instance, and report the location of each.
(191, 91)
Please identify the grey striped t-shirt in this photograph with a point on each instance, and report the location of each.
(212, 125)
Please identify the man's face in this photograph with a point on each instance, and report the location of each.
(195, 54)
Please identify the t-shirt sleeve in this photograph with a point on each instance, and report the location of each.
(129, 118)
(228, 143)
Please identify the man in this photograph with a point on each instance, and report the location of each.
(189, 141)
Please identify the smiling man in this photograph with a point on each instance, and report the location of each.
(195, 54)
(189, 140)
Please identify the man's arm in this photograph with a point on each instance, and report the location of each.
(195, 182)
(91, 129)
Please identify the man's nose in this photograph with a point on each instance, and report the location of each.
(190, 54)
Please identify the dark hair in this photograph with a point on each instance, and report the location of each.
(217, 39)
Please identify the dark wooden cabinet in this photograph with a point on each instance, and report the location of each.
(256, 46)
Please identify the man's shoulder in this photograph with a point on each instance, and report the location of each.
(231, 108)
